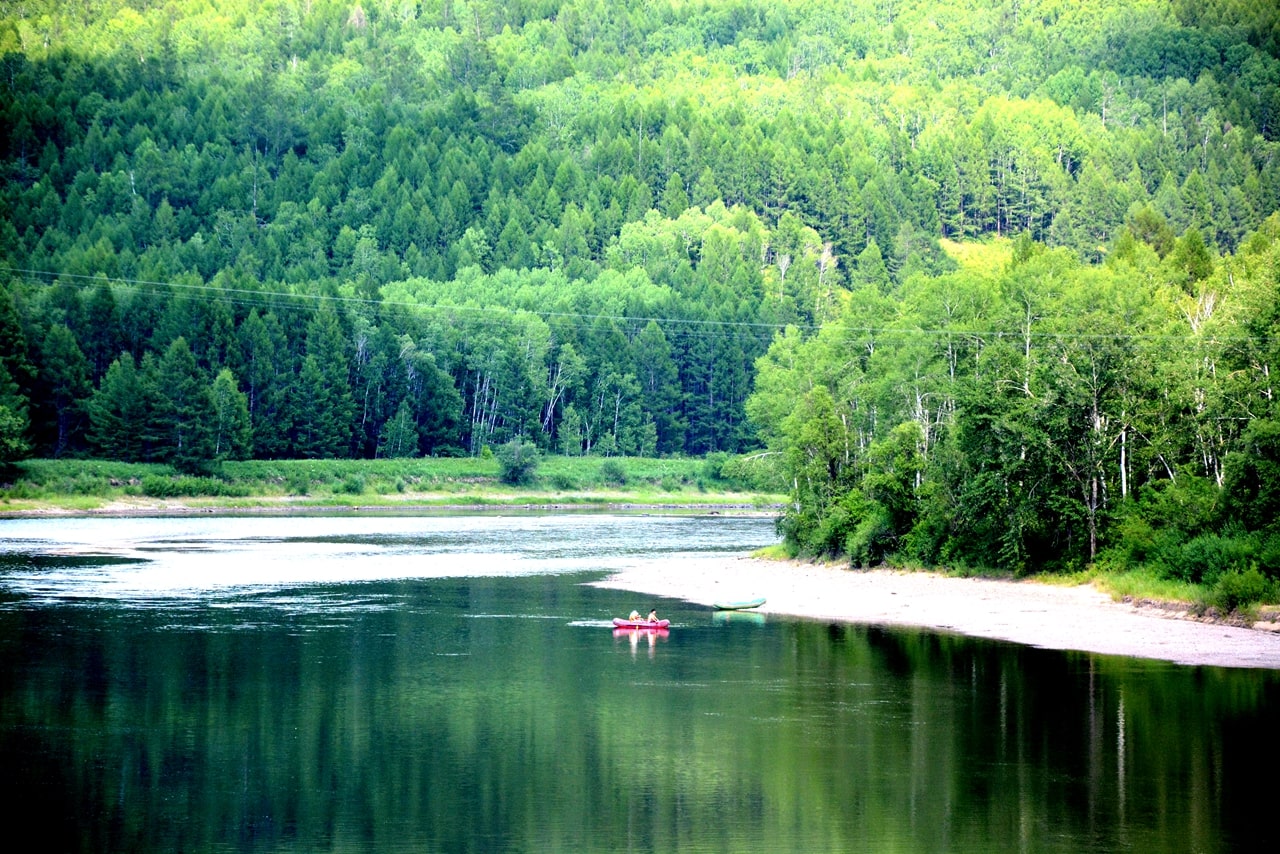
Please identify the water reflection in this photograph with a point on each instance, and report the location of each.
(502, 712)
(649, 637)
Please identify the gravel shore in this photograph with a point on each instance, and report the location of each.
(1074, 618)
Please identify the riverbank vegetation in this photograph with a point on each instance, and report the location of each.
(992, 285)
(716, 482)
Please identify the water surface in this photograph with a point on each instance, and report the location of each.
(452, 684)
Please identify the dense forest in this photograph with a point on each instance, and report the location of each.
(992, 284)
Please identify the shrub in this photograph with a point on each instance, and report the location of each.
(1202, 559)
(157, 486)
(872, 539)
(353, 484)
(562, 481)
(612, 472)
(713, 465)
(517, 463)
(84, 484)
(299, 483)
(1235, 590)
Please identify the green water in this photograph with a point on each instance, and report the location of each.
(450, 685)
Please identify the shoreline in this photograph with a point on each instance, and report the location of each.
(1079, 618)
(290, 507)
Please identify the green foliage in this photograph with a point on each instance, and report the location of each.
(872, 538)
(430, 480)
(14, 421)
(156, 486)
(298, 482)
(1236, 589)
(120, 412)
(1205, 558)
(231, 427)
(13, 428)
(517, 462)
(713, 466)
(1252, 480)
(1033, 425)
(612, 472)
(62, 388)
(518, 237)
(184, 419)
(562, 481)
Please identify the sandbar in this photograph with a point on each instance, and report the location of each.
(1025, 612)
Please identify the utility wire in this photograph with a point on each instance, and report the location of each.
(734, 328)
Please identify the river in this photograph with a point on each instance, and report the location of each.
(453, 684)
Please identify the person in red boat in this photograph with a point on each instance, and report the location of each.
(634, 616)
(653, 615)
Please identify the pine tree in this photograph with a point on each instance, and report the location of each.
(63, 388)
(660, 387)
(184, 415)
(324, 408)
(119, 412)
(268, 377)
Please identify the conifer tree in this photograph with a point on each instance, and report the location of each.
(184, 415)
(120, 411)
(63, 387)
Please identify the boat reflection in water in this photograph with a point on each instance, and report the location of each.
(651, 635)
(750, 617)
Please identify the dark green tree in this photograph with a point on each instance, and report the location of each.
(324, 408)
(120, 412)
(267, 377)
(184, 418)
(63, 386)
(660, 393)
(14, 422)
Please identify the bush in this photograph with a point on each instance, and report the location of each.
(872, 539)
(1203, 559)
(517, 463)
(612, 472)
(84, 484)
(299, 483)
(156, 486)
(563, 481)
(1235, 590)
(353, 484)
(713, 465)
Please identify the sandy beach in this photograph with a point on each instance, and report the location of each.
(1026, 612)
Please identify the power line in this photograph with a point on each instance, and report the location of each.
(247, 296)
(736, 329)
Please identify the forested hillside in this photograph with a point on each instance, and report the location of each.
(1002, 275)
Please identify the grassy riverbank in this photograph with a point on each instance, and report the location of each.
(87, 486)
